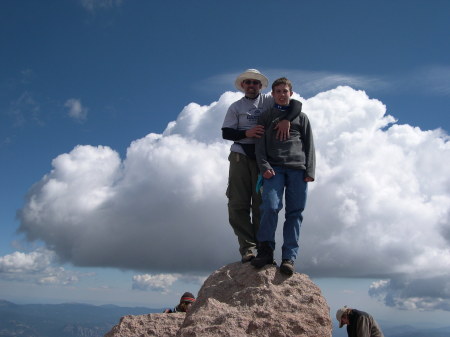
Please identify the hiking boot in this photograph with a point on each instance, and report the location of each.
(247, 257)
(265, 256)
(287, 267)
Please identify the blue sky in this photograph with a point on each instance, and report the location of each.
(110, 116)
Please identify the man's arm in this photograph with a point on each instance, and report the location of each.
(363, 327)
(260, 148)
(284, 125)
(294, 110)
(230, 127)
(233, 134)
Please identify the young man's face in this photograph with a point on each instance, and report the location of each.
(251, 87)
(282, 94)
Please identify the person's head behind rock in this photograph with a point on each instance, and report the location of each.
(186, 301)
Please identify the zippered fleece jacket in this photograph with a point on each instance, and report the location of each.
(297, 152)
(362, 324)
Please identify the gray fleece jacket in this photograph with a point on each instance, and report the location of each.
(297, 152)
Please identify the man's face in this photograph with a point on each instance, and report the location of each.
(251, 87)
(282, 94)
(344, 320)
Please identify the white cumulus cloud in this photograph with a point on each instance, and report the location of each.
(380, 205)
(38, 266)
(163, 282)
(409, 293)
(158, 282)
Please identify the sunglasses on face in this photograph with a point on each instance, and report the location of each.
(254, 82)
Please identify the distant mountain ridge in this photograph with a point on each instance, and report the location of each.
(390, 330)
(85, 320)
(416, 332)
(62, 320)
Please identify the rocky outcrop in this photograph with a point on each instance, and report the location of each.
(161, 325)
(238, 300)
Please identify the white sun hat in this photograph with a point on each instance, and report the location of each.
(251, 74)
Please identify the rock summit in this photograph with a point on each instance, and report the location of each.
(239, 300)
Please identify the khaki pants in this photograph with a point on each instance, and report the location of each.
(243, 201)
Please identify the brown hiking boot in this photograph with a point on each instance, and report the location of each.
(287, 267)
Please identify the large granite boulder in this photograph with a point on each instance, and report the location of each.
(239, 300)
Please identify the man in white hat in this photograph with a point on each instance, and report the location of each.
(240, 126)
(359, 323)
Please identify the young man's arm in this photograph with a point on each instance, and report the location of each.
(308, 143)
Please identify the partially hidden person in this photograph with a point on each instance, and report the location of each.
(185, 303)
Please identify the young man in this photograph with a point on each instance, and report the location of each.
(240, 126)
(359, 323)
(286, 166)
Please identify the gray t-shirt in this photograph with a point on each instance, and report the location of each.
(243, 115)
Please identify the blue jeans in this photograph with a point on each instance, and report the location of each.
(272, 202)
